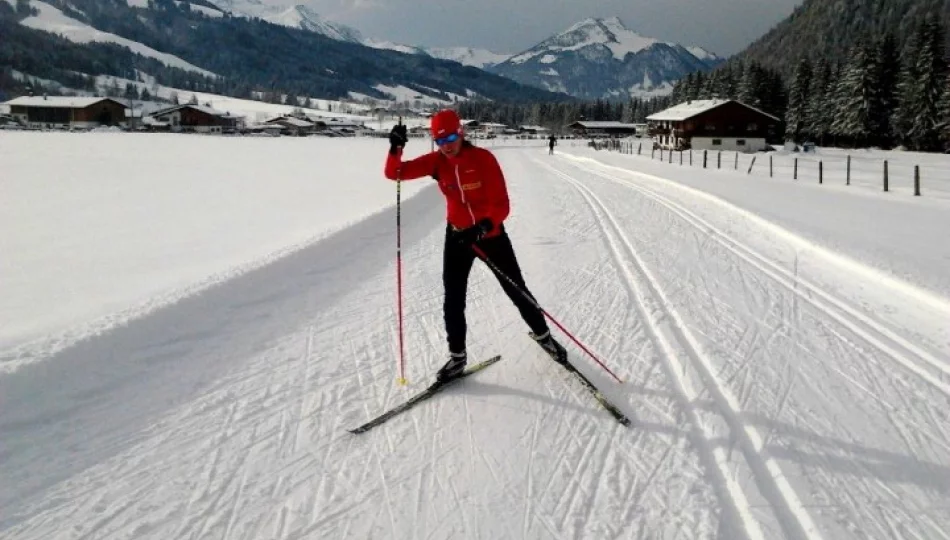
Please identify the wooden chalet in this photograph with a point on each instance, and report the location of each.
(67, 111)
(198, 118)
(713, 124)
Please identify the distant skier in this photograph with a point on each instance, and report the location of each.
(552, 141)
(477, 205)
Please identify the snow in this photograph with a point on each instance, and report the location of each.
(55, 21)
(480, 58)
(610, 33)
(191, 323)
(402, 93)
(701, 53)
(254, 111)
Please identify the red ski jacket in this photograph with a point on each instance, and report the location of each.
(472, 182)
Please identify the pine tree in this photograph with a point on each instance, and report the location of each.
(907, 100)
(856, 96)
(819, 111)
(797, 116)
(931, 73)
(749, 86)
(887, 68)
(943, 109)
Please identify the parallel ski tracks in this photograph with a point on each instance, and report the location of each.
(873, 332)
(680, 349)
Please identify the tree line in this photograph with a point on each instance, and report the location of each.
(879, 95)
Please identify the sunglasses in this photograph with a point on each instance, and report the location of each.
(450, 138)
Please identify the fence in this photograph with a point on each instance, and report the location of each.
(882, 170)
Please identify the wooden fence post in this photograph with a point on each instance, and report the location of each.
(670, 156)
(653, 153)
(681, 157)
(690, 157)
(885, 175)
(917, 180)
(821, 172)
(795, 174)
(704, 159)
(770, 165)
(751, 165)
(849, 171)
(639, 149)
(719, 160)
(737, 161)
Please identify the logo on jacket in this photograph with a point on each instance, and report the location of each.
(471, 186)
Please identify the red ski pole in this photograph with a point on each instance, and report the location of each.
(482, 256)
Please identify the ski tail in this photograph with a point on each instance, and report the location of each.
(591, 388)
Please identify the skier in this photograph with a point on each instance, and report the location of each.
(552, 140)
(477, 205)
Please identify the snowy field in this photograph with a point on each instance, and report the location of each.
(189, 325)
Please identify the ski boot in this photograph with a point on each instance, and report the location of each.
(453, 368)
(550, 346)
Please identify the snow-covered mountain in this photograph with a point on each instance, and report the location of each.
(480, 58)
(602, 58)
(296, 16)
(302, 16)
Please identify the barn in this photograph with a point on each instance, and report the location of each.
(67, 111)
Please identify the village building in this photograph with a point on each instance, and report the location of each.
(598, 129)
(533, 130)
(291, 125)
(199, 119)
(67, 112)
(713, 124)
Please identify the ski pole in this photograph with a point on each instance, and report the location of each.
(481, 255)
(402, 360)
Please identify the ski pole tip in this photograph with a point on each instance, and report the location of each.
(402, 381)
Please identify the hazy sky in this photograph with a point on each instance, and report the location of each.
(509, 26)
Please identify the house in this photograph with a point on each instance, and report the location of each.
(533, 130)
(67, 111)
(199, 119)
(595, 129)
(713, 124)
(291, 125)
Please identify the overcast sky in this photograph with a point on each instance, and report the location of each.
(509, 26)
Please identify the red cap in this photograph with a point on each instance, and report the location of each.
(445, 122)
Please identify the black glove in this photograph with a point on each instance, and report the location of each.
(397, 138)
(471, 235)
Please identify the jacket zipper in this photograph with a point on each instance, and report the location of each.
(458, 182)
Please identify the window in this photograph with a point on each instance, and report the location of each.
(740, 142)
(717, 142)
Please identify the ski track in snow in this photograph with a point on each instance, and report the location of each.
(766, 401)
(877, 336)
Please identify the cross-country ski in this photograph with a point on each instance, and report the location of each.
(429, 392)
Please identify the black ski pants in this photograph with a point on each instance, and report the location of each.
(456, 267)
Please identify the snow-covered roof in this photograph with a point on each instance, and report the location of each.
(68, 102)
(690, 109)
(604, 124)
(291, 121)
(687, 109)
(201, 108)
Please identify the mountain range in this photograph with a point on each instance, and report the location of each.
(595, 58)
